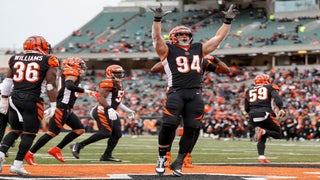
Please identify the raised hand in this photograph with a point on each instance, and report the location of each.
(158, 13)
(230, 14)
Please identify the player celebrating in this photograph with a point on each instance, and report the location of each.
(182, 63)
(27, 73)
(73, 69)
(105, 114)
(258, 104)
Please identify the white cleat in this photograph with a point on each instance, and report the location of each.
(19, 170)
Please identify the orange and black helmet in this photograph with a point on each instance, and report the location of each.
(179, 30)
(115, 72)
(262, 79)
(74, 66)
(37, 43)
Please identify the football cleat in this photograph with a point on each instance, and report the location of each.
(18, 169)
(30, 159)
(187, 161)
(263, 160)
(75, 149)
(103, 158)
(169, 159)
(161, 163)
(176, 167)
(257, 134)
(56, 152)
(2, 160)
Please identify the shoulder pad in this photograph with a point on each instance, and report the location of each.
(276, 87)
(53, 61)
(106, 83)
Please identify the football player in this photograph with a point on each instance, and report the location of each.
(72, 71)
(105, 114)
(258, 104)
(182, 63)
(27, 74)
(209, 64)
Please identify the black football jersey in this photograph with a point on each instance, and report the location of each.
(66, 96)
(29, 71)
(259, 98)
(117, 92)
(184, 66)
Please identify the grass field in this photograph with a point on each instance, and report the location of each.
(143, 149)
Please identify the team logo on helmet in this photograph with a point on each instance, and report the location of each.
(37, 43)
(262, 79)
(115, 72)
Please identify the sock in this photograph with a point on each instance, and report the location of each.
(93, 138)
(17, 163)
(67, 139)
(43, 140)
(24, 146)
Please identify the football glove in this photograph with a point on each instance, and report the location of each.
(230, 14)
(112, 114)
(92, 93)
(158, 13)
(130, 114)
(48, 113)
(4, 105)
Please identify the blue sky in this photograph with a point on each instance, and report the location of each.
(52, 19)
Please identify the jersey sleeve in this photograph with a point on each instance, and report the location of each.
(106, 83)
(53, 61)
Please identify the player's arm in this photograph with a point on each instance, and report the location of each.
(158, 42)
(7, 84)
(246, 105)
(69, 81)
(221, 67)
(277, 99)
(51, 77)
(157, 68)
(214, 64)
(212, 44)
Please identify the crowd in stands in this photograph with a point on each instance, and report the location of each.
(225, 117)
(270, 32)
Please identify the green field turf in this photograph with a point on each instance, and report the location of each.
(143, 149)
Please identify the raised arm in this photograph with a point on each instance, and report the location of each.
(212, 44)
(158, 42)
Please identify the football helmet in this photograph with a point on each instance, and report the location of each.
(262, 79)
(180, 30)
(267, 79)
(74, 66)
(115, 72)
(37, 43)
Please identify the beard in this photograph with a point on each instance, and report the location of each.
(184, 43)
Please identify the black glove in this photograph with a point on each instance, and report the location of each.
(230, 14)
(158, 13)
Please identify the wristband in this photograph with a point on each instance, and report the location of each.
(216, 60)
(157, 19)
(227, 21)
